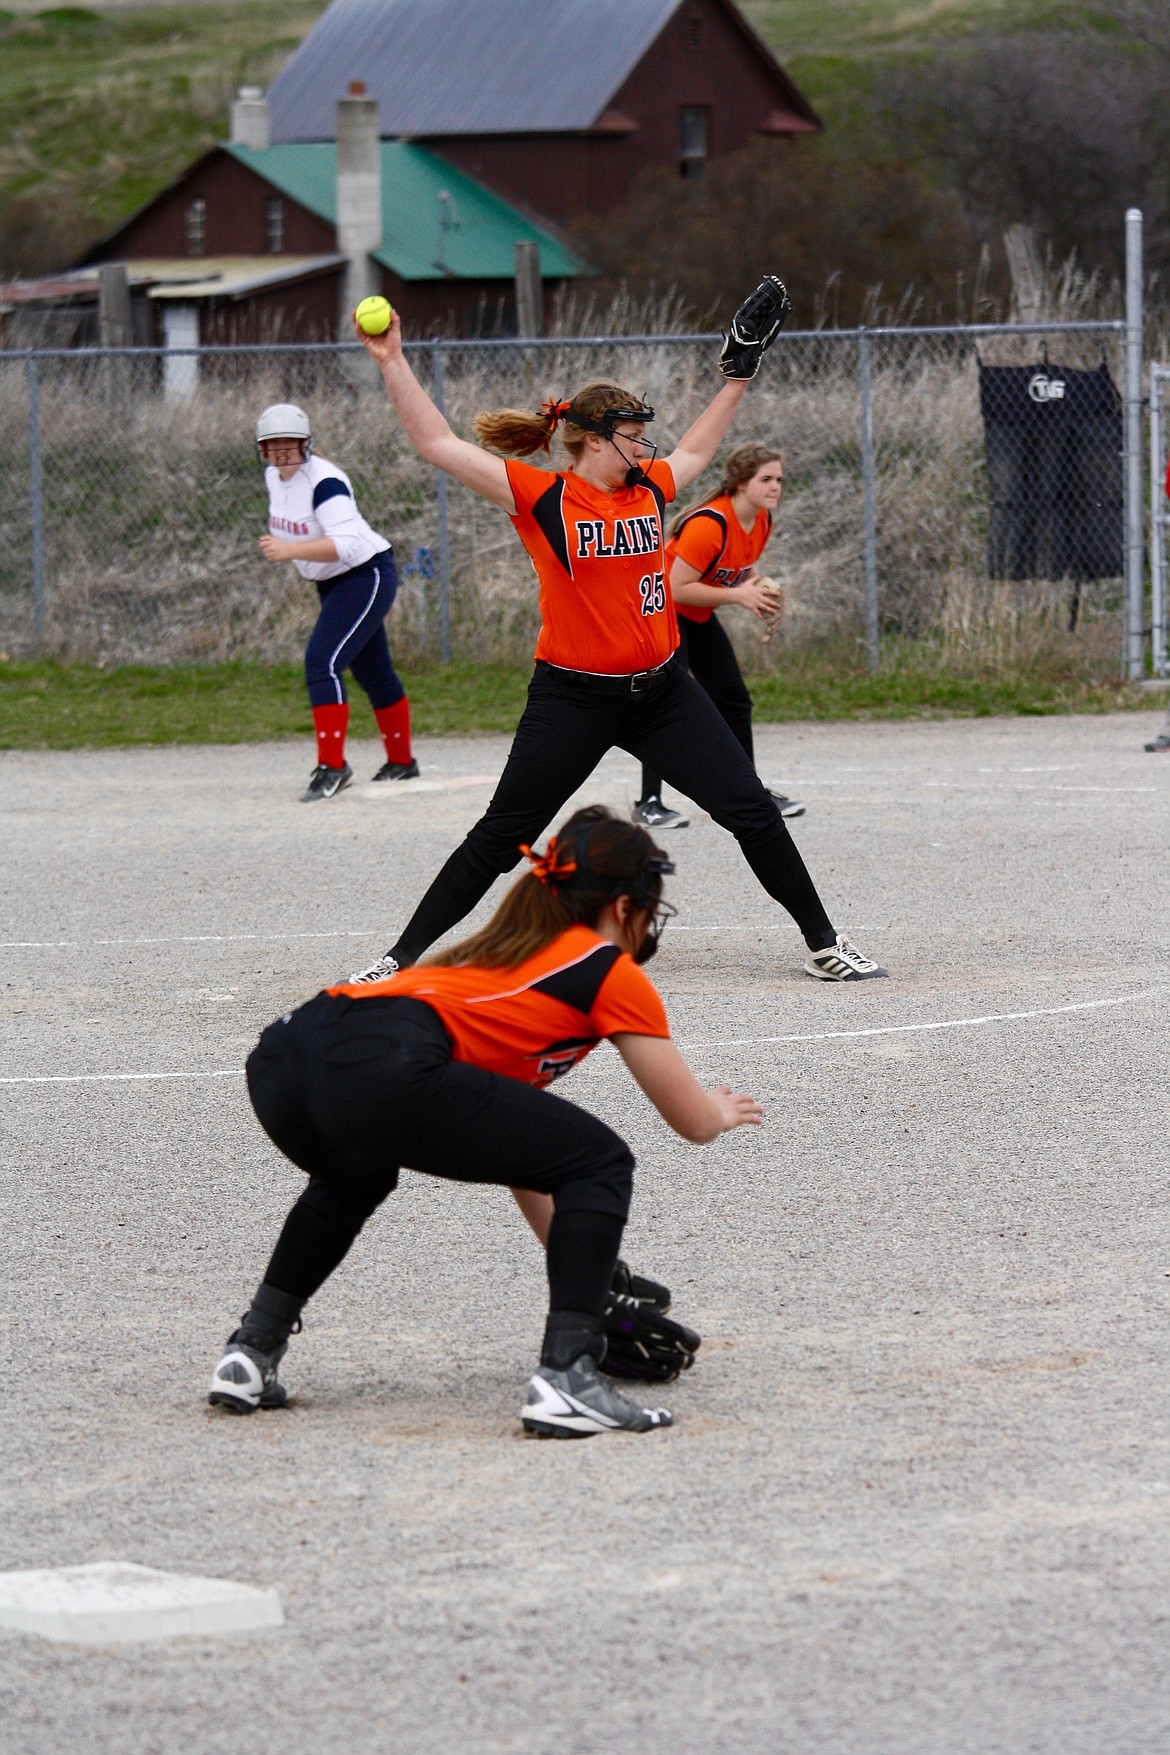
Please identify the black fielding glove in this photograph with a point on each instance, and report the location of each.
(754, 328)
(639, 1287)
(643, 1343)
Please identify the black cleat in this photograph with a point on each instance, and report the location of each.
(398, 771)
(326, 783)
(577, 1403)
(245, 1378)
(653, 814)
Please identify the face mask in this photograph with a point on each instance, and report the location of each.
(649, 945)
(636, 473)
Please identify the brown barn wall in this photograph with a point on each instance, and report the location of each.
(564, 176)
(467, 308)
(235, 225)
(304, 312)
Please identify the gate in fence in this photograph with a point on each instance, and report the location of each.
(927, 470)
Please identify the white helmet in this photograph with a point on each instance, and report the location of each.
(284, 420)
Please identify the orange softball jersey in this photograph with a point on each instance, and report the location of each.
(715, 543)
(601, 562)
(535, 1022)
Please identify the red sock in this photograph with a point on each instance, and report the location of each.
(331, 722)
(394, 724)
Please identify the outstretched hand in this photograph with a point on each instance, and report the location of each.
(385, 347)
(736, 1108)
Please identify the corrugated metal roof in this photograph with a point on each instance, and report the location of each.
(225, 277)
(466, 66)
(476, 243)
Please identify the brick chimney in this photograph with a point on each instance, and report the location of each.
(359, 196)
(250, 119)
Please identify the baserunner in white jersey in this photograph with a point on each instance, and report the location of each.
(313, 521)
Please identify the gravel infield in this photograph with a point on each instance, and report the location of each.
(917, 1499)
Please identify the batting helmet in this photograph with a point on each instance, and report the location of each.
(284, 420)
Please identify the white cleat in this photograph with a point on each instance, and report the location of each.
(842, 962)
(382, 970)
(579, 1402)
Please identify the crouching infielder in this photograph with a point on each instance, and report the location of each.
(441, 1069)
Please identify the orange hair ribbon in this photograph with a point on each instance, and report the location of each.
(553, 411)
(546, 868)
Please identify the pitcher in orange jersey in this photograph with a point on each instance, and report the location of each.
(442, 1068)
(607, 671)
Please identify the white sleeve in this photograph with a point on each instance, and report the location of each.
(340, 522)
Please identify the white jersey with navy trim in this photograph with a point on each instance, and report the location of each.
(318, 501)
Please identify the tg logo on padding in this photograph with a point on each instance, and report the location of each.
(1042, 388)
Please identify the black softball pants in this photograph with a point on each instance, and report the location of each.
(352, 1090)
(569, 723)
(710, 657)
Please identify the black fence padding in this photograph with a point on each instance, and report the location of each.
(1054, 442)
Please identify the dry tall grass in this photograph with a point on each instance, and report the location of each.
(153, 507)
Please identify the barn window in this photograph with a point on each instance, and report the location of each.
(274, 224)
(693, 132)
(196, 227)
(693, 31)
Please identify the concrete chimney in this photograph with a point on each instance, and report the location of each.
(359, 196)
(250, 126)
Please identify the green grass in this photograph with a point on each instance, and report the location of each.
(103, 109)
(45, 705)
(869, 28)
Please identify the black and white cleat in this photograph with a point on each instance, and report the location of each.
(578, 1403)
(245, 1378)
(842, 962)
(326, 783)
(382, 970)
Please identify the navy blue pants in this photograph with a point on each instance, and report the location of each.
(351, 635)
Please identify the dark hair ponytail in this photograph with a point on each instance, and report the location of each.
(588, 859)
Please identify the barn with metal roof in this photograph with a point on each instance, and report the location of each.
(555, 103)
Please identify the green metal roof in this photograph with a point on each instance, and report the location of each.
(474, 244)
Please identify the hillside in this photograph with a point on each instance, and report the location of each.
(103, 105)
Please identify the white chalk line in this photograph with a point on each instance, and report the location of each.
(1084, 1005)
(228, 938)
(227, 1072)
(191, 938)
(1051, 1011)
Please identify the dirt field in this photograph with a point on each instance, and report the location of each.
(916, 1500)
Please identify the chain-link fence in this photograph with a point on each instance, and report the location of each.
(928, 491)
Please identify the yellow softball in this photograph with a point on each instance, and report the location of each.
(373, 316)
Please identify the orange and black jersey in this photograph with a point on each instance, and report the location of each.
(712, 540)
(536, 1021)
(601, 562)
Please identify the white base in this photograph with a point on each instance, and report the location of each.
(112, 1602)
(387, 791)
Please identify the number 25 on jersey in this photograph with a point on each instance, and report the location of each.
(653, 593)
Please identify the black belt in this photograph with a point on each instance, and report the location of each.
(636, 682)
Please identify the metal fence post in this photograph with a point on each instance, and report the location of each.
(444, 527)
(869, 547)
(36, 502)
(1157, 527)
(1133, 656)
